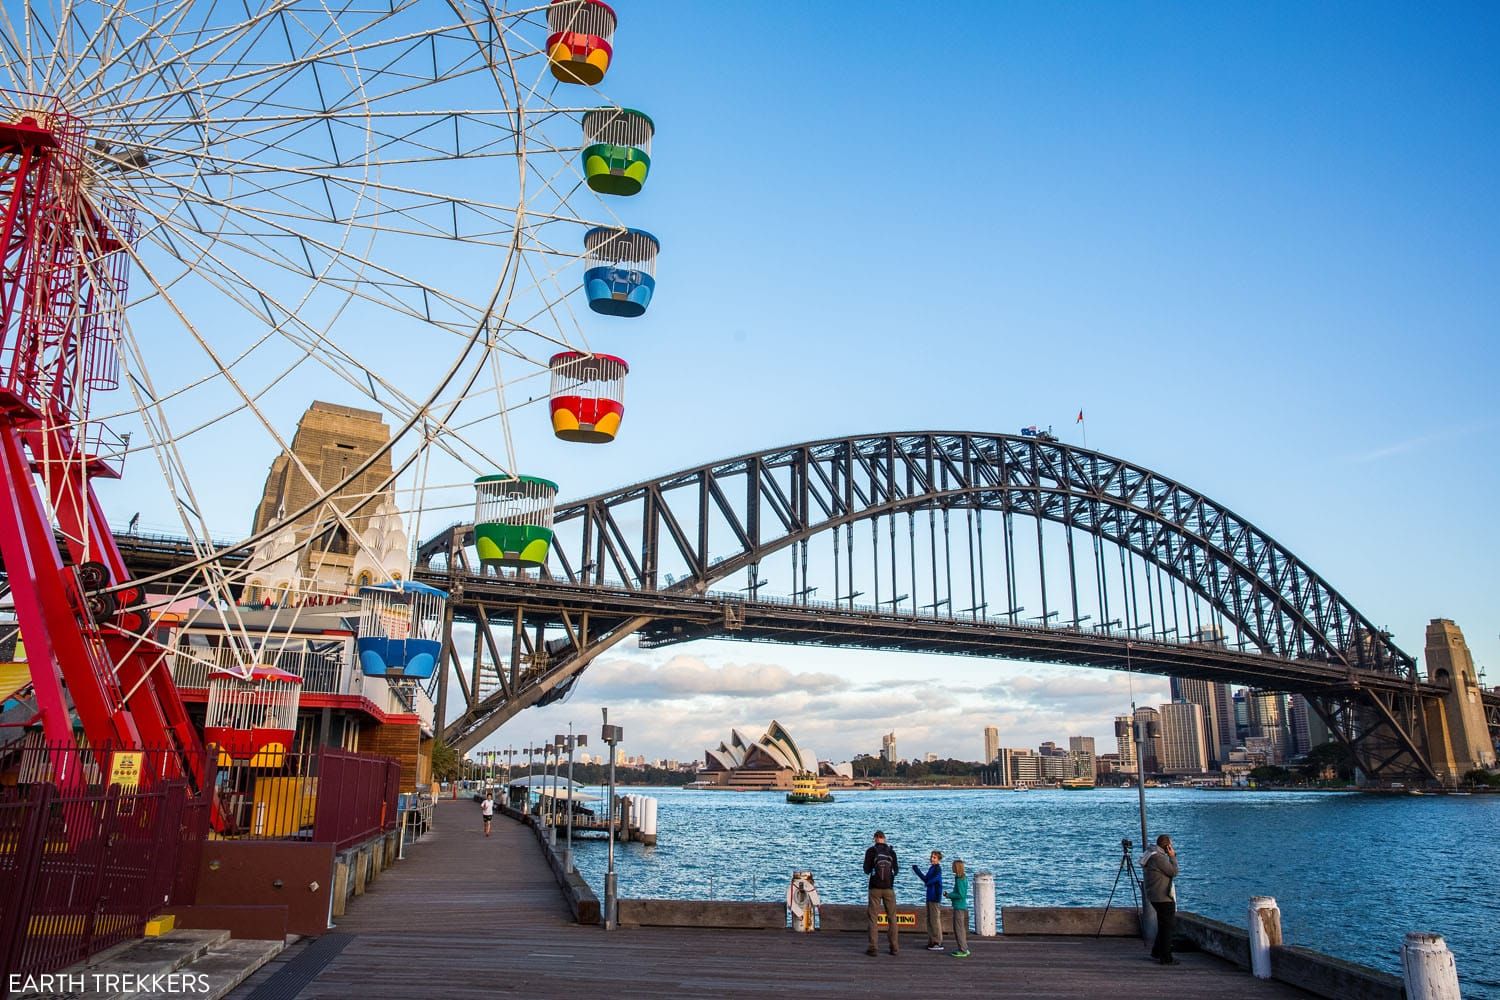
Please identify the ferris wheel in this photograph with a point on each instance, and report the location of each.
(218, 213)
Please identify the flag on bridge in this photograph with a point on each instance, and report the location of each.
(1080, 417)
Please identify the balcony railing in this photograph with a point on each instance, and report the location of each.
(321, 673)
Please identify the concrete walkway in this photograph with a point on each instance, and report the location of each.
(466, 916)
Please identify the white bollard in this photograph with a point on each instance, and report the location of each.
(802, 901)
(1428, 968)
(984, 904)
(1265, 931)
(650, 817)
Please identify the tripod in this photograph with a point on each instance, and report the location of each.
(1127, 864)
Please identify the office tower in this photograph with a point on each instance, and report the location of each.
(1299, 714)
(888, 747)
(1081, 744)
(1148, 719)
(1184, 742)
(1241, 716)
(1024, 767)
(1124, 744)
(991, 744)
(1217, 720)
(1318, 732)
(1267, 714)
(1221, 726)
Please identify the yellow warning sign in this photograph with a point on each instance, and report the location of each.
(902, 919)
(125, 769)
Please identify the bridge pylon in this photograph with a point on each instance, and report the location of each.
(1461, 740)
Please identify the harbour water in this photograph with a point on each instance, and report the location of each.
(1352, 873)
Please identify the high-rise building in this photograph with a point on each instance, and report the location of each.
(1081, 744)
(1267, 714)
(1184, 742)
(1218, 723)
(1241, 716)
(991, 744)
(1299, 719)
(1021, 766)
(1318, 732)
(888, 747)
(1148, 719)
(1124, 744)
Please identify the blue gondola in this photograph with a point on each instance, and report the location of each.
(620, 270)
(400, 629)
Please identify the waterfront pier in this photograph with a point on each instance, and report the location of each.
(470, 916)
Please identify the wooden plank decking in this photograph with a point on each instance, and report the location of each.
(468, 917)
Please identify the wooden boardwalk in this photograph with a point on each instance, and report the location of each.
(468, 917)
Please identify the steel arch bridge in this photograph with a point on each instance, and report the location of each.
(1122, 567)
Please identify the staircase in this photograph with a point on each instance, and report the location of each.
(205, 965)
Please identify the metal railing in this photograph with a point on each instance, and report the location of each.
(321, 673)
(85, 857)
(328, 795)
(357, 799)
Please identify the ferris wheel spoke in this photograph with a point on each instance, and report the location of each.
(319, 347)
(246, 171)
(246, 400)
(159, 35)
(140, 57)
(386, 277)
(278, 72)
(110, 30)
(341, 362)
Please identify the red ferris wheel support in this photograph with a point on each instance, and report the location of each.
(61, 293)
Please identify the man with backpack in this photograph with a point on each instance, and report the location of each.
(880, 865)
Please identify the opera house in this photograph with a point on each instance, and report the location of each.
(767, 763)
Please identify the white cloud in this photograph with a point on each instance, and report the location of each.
(838, 703)
(686, 676)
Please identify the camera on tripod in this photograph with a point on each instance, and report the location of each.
(1127, 866)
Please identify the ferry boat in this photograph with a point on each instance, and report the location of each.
(807, 789)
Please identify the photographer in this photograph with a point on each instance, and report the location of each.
(1160, 867)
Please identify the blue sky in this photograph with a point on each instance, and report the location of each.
(1256, 244)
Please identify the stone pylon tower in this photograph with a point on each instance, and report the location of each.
(331, 441)
(1468, 736)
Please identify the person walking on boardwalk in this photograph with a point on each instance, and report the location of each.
(487, 810)
(1160, 867)
(880, 865)
(959, 897)
(933, 880)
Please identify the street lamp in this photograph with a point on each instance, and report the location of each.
(530, 751)
(556, 749)
(611, 735)
(571, 742)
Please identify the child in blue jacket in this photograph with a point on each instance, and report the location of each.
(933, 880)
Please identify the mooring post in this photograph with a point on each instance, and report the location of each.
(1428, 968)
(1265, 932)
(984, 897)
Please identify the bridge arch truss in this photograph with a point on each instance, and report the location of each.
(1105, 553)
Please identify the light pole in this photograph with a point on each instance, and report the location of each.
(580, 740)
(556, 747)
(611, 735)
(530, 750)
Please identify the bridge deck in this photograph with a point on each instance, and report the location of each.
(469, 917)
